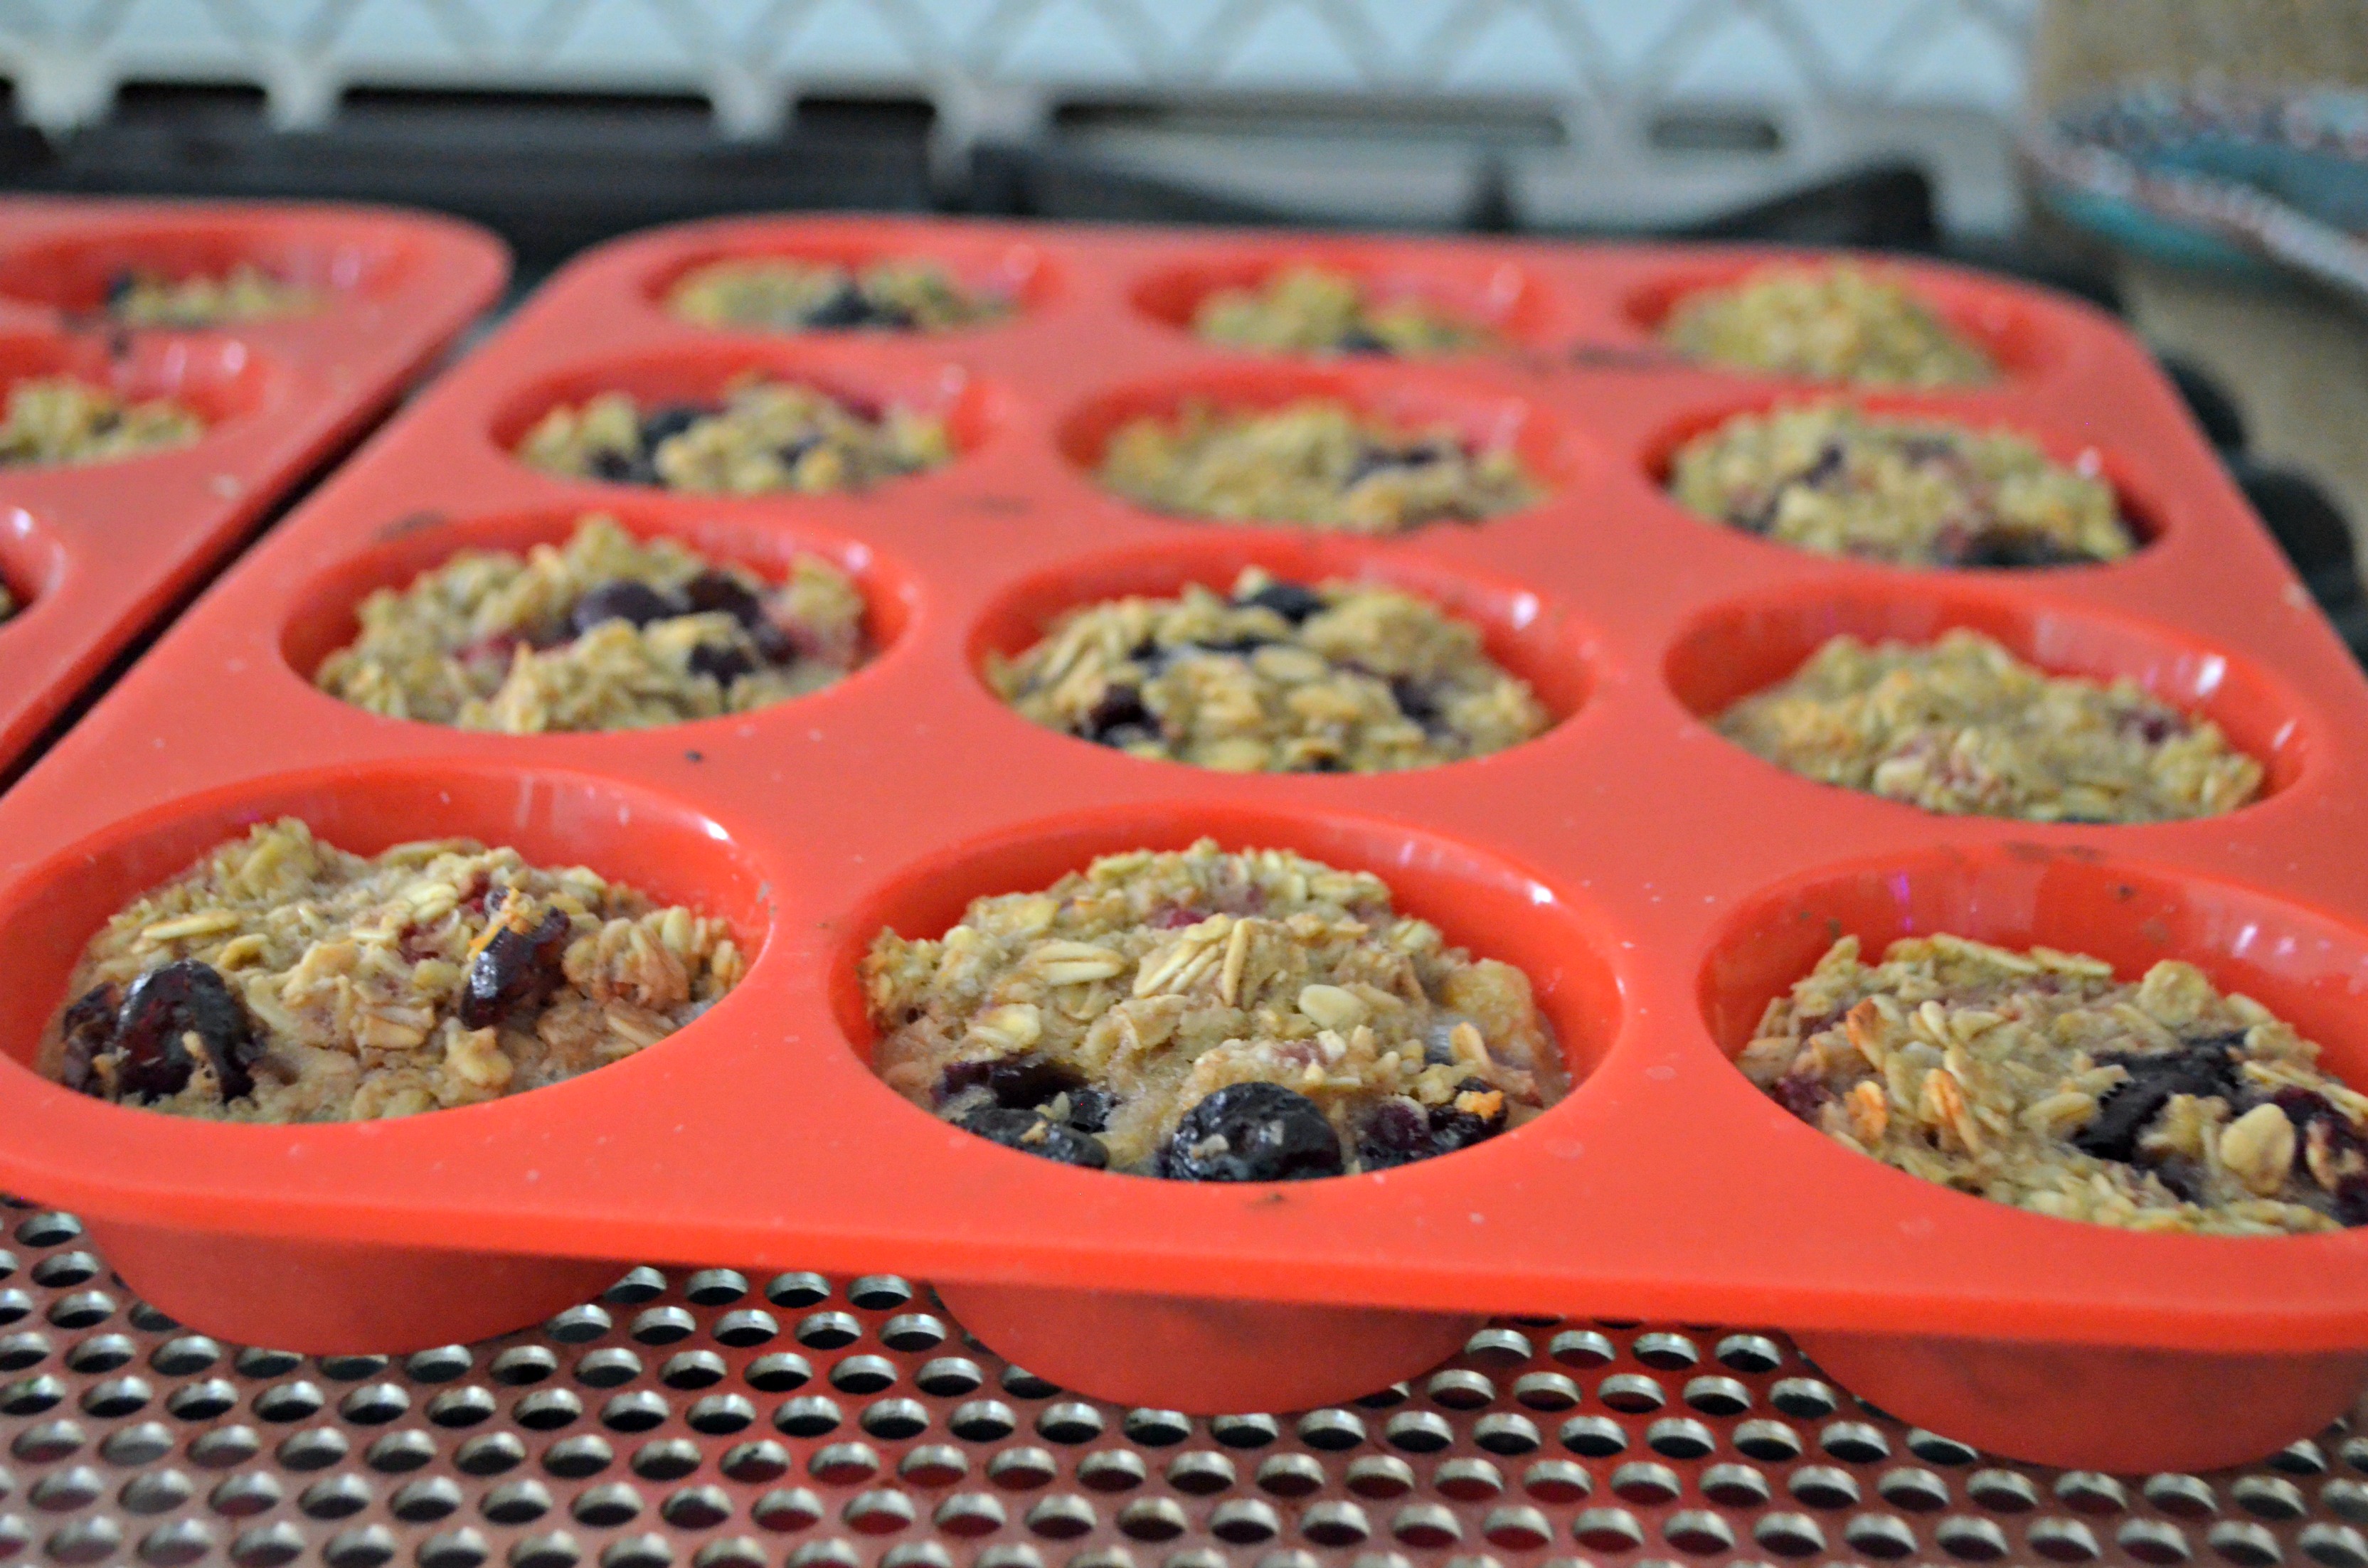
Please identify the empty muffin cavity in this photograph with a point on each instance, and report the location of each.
(1905, 491)
(606, 631)
(1209, 1016)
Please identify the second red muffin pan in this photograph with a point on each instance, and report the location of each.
(1658, 883)
(94, 552)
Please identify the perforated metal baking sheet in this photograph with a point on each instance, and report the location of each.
(713, 1419)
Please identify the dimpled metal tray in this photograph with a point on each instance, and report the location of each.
(718, 1420)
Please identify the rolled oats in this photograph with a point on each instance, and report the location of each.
(244, 293)
(1114, 1020)
(281, 978)
(57, 419)
(2159, 1106)
(1962, 726)
(1832, 323)
(776, 294)
(1314, 309)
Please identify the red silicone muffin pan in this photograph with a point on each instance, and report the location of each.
(95, 553)
(1658, 883)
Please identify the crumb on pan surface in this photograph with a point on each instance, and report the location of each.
(1275, 676)
(1962, 726)
(139, 297)
(1842, 322)
(1314, 309)
(57, 419)
(2038, 1079)
(764, 438)
(1210, 1016)
(1317, 462)
(604, 632)
(1907, 492)
(778, 294)
(281, 978)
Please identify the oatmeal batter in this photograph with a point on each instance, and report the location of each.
(1210, 1017)
(1317, 464)
(244, 293)
(766, 437)
(1312, 310)
(776, 294)
(1962, 726)
(1832, 323)
(1278, 676)
(281, 978)
(1906, 492)
(57, 419)
(2038, 1079)
(605, 632)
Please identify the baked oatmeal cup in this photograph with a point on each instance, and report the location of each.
(2039, 1079)
(1842, 322)
(779, 294)
(281, 978)
(1279, 677)
(1207, 1015)
(1318, 463)
(139, 297)
(1314, 309)
(60, 420)
(764, 438)
(1920, 493)
(604, 632)
(1962, 727)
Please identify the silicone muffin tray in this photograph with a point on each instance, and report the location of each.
(1656, 883)
(94, 553)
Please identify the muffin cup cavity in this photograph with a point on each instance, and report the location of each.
(220, 379)
(1405, 397)
(2001, 320)
(1025, 275)
(323, 618)
(673, 853)
(1746, 645)
(72, 273)
(868, 378)
(1542, 641)
(1500, 296)
(1480, 901)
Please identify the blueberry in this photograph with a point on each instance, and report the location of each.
(666, 421)
(1121, 717)
(89, 1028)
(1804, 1096)
(1417, 701)
(1397, 1133)
(119, 286)
(1451, 1128)
(1358, 340)
(515, 966)
(1830, 458)
(1247, 643)
(636, 602)
(2351, 1200)
(1090, 1109)
(1032, 1132)
(722, 665)
(846, 307)
(2203, 1066)
(2152, 725)
(1292, 601)
(719, 592)
(1373, 459)
(1253, 1132)
(2014, 548)
(616, 468)
(164, 1007)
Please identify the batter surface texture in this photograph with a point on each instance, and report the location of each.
(281, 978)
(605, 632)
(1277, 677)
(57, 419)
(1210, 1017)
(1962, 726)
(1313, 310)
(776, 294)
(1833, 324)
(2038, 1079)
(765, 437)
(1319, 463)
(244, 293)
(1906, 492)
